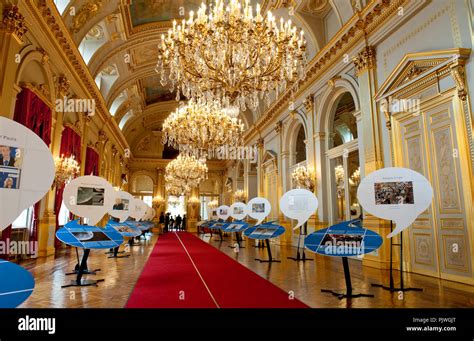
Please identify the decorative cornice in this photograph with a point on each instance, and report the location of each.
(360, 25)
(365, 60)
(14, 22)
(46, 12)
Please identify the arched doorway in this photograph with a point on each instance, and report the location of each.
(343, 160)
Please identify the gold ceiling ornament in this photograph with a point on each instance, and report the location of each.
(304, 177)
(200, 130)
(185, 173)
(231, 54)
(67, 168)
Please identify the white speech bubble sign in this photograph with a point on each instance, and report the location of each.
(121, 207)
(148, 213)
(89, 197)
(26, 170)
(238, 210)
(397, 194)
(138, 209)
(298, 204)
(259, 208)
(223, 212)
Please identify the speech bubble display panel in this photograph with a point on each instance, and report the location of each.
(26, 170)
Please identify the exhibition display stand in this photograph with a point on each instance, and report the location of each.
(391, 287)
(236, 227)
(218, 226)
(265, 232)
(87, 237)
(125, 230)
(300, 252)
(346, 239)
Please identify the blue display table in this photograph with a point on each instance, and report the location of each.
(16, 284)
(265, 232)
(87, 237)
(344, 240)
(237, 227)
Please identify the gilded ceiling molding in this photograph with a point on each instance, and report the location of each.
(360, 25)
(14, 22)
(86, 12)
(61, 36)
(365, 60)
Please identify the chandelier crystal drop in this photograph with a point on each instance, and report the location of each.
(184, 173)
(200, 130)
(231, 54)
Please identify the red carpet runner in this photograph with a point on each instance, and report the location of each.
(185, 272)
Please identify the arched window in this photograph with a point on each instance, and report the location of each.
(344, 124)
(300, 145)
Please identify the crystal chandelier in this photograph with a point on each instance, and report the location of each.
(304, 178)
(200, 130)
(213, 204)
(354, 180)
(240, 195)
(67, 168)
(174, 201)
(185, 172)
(174, 189)
(231, 54)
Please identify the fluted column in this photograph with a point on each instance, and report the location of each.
(369, 136)
(370, 133)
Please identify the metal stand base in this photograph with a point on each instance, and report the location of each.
(83, 283)
(347, 276)
(269, 251)
(391, 286)
(300, 258)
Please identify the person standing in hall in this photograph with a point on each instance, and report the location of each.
(167, 221)
(178, 222)
(184, 223)
(161, 221)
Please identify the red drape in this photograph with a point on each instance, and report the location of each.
(70, 146)
(92, 162)
(34, 114)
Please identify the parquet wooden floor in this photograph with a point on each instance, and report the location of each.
(305, 279)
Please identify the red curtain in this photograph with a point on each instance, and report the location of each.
(92, 162)
(70, 146)
(34, 114)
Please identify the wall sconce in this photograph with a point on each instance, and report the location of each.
(194, 201)
(158, 201)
